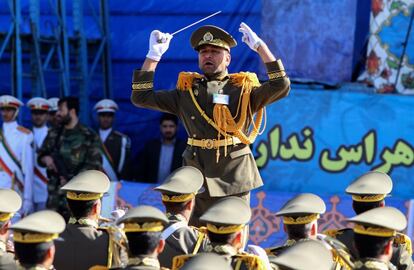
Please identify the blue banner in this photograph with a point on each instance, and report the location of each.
(319, 141)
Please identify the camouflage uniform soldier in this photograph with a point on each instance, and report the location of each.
(10, 203)
(67, 151)
(306, 255)
(374, 233)
(368, 192)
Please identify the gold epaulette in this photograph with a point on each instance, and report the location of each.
(332, 232)
(252, 262)
(23, 129)
(185, 80)
(180, 260)
(402, 239)
(343, 259)
(241, 78)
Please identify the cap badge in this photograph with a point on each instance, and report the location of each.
(208, 37)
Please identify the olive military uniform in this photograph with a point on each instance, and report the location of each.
(76, 150)
(206, 261)
(305, 209)
(180, 187)
(38, 228)
(85, 243)
(227, 216)
(373, 187)
(10, 203)
(225, 160)
(377, 223)
(306, 255)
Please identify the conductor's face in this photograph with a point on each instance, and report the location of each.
(213, 60)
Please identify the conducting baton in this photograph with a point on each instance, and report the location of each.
(194, 23)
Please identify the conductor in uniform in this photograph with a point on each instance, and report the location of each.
(216, 108)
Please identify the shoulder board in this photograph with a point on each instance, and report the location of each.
(185, 80)
(334, 232)
(178, 261)
(253, 261)
(243, 78)
(23, 129)
(402, 239)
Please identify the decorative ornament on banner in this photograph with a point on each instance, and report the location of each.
(390, 54)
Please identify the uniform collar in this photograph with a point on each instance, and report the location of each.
(84, 221)
(147, 261)
(372, 263)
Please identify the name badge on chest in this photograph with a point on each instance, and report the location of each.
(221, 99)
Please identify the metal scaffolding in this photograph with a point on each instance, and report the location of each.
(47, 52)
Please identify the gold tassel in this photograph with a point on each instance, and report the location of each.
(185, 80)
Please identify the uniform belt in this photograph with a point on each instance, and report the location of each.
(213, 143)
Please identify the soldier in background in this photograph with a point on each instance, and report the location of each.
(39, 108)
(143, 226)
(85, 243)
(68, 150)
(115, 147)
(374, 233)
(226, 228)
(33, 239)
(52, 120)
(178, 196)
(16, 153)
(10, 203)
(368, 192)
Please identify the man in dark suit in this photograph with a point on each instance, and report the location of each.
(160, 157)
(116, 146)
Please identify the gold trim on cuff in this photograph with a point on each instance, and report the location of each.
(276, 74)
(142, 86)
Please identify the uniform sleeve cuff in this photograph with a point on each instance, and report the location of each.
(142, 80)
(275, 70)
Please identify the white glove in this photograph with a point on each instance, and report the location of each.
(250, 37)
(158, 44)
(27, 207)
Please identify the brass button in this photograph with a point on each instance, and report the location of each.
(194, 154)
(192, 117)
(194, 135)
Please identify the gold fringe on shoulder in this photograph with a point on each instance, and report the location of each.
(185, 80)
(402, 239)
(252, 262)
(180, 260)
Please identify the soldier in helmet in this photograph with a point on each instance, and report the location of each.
(115, 147)
(216, 108)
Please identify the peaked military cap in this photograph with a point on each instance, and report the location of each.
(370, 187)
(212, 35)
(227, 215)
(380, 222)
(302, 209)
(207, 261)
(10, 203)
(38, 103)
(53, 102)
(181, 185)
(39, 227)
(305, 255)
(144, 219)
(106, 105)
(87, 186)
(7, 101)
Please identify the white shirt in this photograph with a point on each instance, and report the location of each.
(104, 133)
(39, 135)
